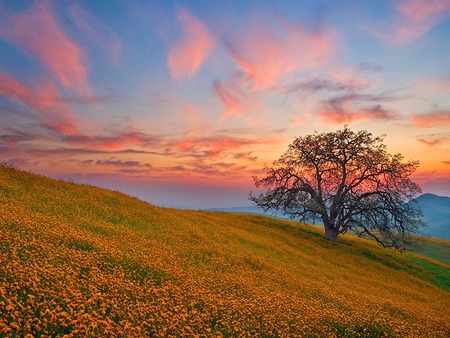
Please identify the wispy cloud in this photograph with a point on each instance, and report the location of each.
(435, 139)
(314, 85)
(13, 138)
(440, 84)
(356, 106)
(413, 19)
(337, 79)
(186, 55)
(122, 163)
(433, 119)
(108, 96)
(42, 97)
(248, 156)
(236, 99)
(200, 152)
(211, 147)
(96, 32)
(376, 112)
(38, 32)
(269, 54)
(231, 97)
(114, 141)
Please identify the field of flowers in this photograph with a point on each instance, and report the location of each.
(79, 261)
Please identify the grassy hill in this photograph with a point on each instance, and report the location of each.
(83, 261)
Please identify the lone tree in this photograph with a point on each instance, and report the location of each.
(349, 181)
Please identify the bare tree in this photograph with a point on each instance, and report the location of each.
(349, 181)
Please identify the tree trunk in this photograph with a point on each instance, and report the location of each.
(331, 234)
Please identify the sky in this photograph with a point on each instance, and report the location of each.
(181, 103)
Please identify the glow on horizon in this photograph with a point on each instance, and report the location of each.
(182, 103)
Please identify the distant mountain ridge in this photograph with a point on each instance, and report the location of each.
(436, 211)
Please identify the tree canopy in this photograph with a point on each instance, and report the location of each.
(348, 181)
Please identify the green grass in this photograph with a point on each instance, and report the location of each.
(436, 274)
(434, 248)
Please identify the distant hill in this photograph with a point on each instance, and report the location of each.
(82, 261)
(436, 210)
(249, 210)
(257, 210)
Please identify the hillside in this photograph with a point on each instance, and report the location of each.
(435, 248)
(84, 261)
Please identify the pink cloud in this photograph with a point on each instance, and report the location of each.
(189, 52)
(434, 119)
(230, 97)
(42, 97)
(414, 19)
(235, 99)
(419, 11)
(37, 32)
(11, 143)
(267, 56)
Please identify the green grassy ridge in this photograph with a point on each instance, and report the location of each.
(267, 252)
(434, 248)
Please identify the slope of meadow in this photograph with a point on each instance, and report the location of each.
(83, 261)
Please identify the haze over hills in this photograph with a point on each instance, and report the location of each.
(436, 210)
(84, 261)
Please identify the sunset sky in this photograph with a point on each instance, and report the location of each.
(180, 102)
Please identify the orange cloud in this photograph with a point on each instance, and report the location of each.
(37, 32)
(414, 19)
(187, 54)
(435, 119)
(211, 147)
(267, 57)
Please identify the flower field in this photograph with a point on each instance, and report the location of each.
(80, 261)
